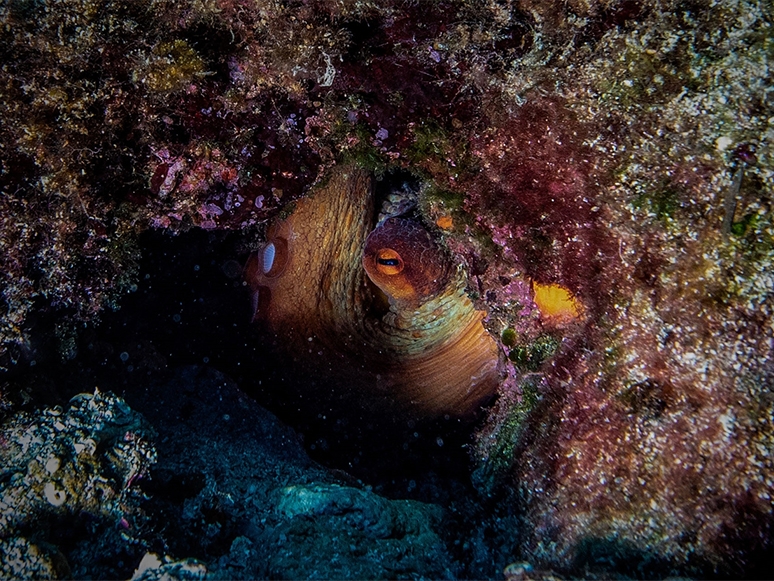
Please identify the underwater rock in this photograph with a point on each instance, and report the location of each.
(233, 495)
(153, 568)
(330, 528)
(63, 467)
(647, 451)
(400, 325)
(22, 559)
(246, 501)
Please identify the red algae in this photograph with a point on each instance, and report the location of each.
(539, 181)
(640, 454)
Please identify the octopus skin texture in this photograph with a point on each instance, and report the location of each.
(377, 309)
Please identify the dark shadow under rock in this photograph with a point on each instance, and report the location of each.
(234, 488)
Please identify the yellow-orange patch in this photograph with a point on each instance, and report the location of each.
(556, 302)
(445, 222)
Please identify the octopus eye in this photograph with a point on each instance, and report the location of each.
(388, 261)
(274, 257)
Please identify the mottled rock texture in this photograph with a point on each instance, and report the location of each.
(618, 150)
(69, 494)
(233, 493)
(239, 493)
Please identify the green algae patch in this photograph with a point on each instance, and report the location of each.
(171, 67)
(498, 445)
(359, 148)
(508, 337)
(530, 356)
(661, 200)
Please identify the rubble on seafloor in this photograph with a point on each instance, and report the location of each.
(155, 568)
(66, 471)
(231, 494)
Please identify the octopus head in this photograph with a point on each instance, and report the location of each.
(405, 262)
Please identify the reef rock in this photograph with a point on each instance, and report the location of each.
(233, 495)
(245, 499)
(65, 470)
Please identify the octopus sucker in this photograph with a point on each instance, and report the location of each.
(378, 309)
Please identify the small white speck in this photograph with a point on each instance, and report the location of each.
(52, 464)
(727, 422)
(723, 143)
(54, 496)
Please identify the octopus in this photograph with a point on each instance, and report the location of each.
(377, 308)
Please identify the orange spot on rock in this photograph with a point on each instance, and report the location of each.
(445, 222)
(556, 303)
